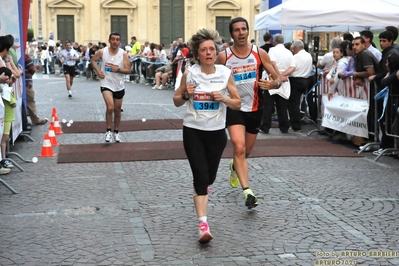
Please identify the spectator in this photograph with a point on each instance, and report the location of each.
(30, 70)
(267, 37)
(299, 73)
(162, 74)
(395, 33)
(348, 37)
(368, 41)
(327, 61)
(350, 67)
(44, 59)
(340, 63)
(386, 43)
(281, 58)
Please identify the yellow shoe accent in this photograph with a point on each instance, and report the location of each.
(234, 181)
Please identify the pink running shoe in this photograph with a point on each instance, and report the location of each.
(204, 234)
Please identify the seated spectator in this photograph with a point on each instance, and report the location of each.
(162, 73)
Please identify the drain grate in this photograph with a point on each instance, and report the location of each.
(81, 210)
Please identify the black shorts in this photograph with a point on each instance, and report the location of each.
(115, 94)
(251, 120)
(69, 70)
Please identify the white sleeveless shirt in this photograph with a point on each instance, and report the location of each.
(246, 74)
(112, 80)
(202, 112)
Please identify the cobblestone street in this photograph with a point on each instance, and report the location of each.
(312, 210)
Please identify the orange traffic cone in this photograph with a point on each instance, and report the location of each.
(53, 114)
(51, 135)
(57, 127)
(47, 150)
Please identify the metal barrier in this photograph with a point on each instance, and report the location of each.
(150, 72)
(391, 119)
(347, 88)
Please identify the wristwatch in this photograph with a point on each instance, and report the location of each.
(119, 69)
(183, 96)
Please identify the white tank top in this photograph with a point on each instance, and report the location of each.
(202, 112)
(112, 80)
(246, 74)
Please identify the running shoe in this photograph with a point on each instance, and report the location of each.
(6, 164)
(4, 171)
(234, 181)
(108, 136)
(250, 200)
(69, 94)
(204, 233)
(117, 138)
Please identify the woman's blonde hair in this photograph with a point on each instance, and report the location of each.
(201, 36)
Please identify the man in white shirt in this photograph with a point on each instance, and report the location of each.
(299, 73)
(368, 39)
(282, 59)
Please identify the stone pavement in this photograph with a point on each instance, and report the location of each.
(312, 211)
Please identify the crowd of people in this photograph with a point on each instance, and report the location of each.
(235, 85)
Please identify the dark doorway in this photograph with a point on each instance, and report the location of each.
(65, 28)
(119, 25)
(222, 26)
(172, 21)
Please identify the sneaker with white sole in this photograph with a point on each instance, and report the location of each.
(6, 164)
(380, 151)
(204, 233)
(160, 87)
(108, 136)
(155, 87)
(117, 138)
(250, 200)
(69, 94)
(233, 180)
(4, 171)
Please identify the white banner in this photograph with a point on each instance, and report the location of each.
(346, 114)
(10, 24)
(17, 123)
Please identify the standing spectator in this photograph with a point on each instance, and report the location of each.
(267, 37)
(135, 52)
(299, 73)
(44, 59)
(204, 135)
(395, 34)
(30, 70)
(282, 59)
(115, 63)
(327, 61)
(340, 63)
(366, 65)
(369, 45)
(386, 43)
(69, 57)
(245, 61)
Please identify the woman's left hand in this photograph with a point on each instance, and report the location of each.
(217, 96)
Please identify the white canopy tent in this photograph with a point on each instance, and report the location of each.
(322, 15)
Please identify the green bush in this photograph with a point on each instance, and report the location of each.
(31, 34)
